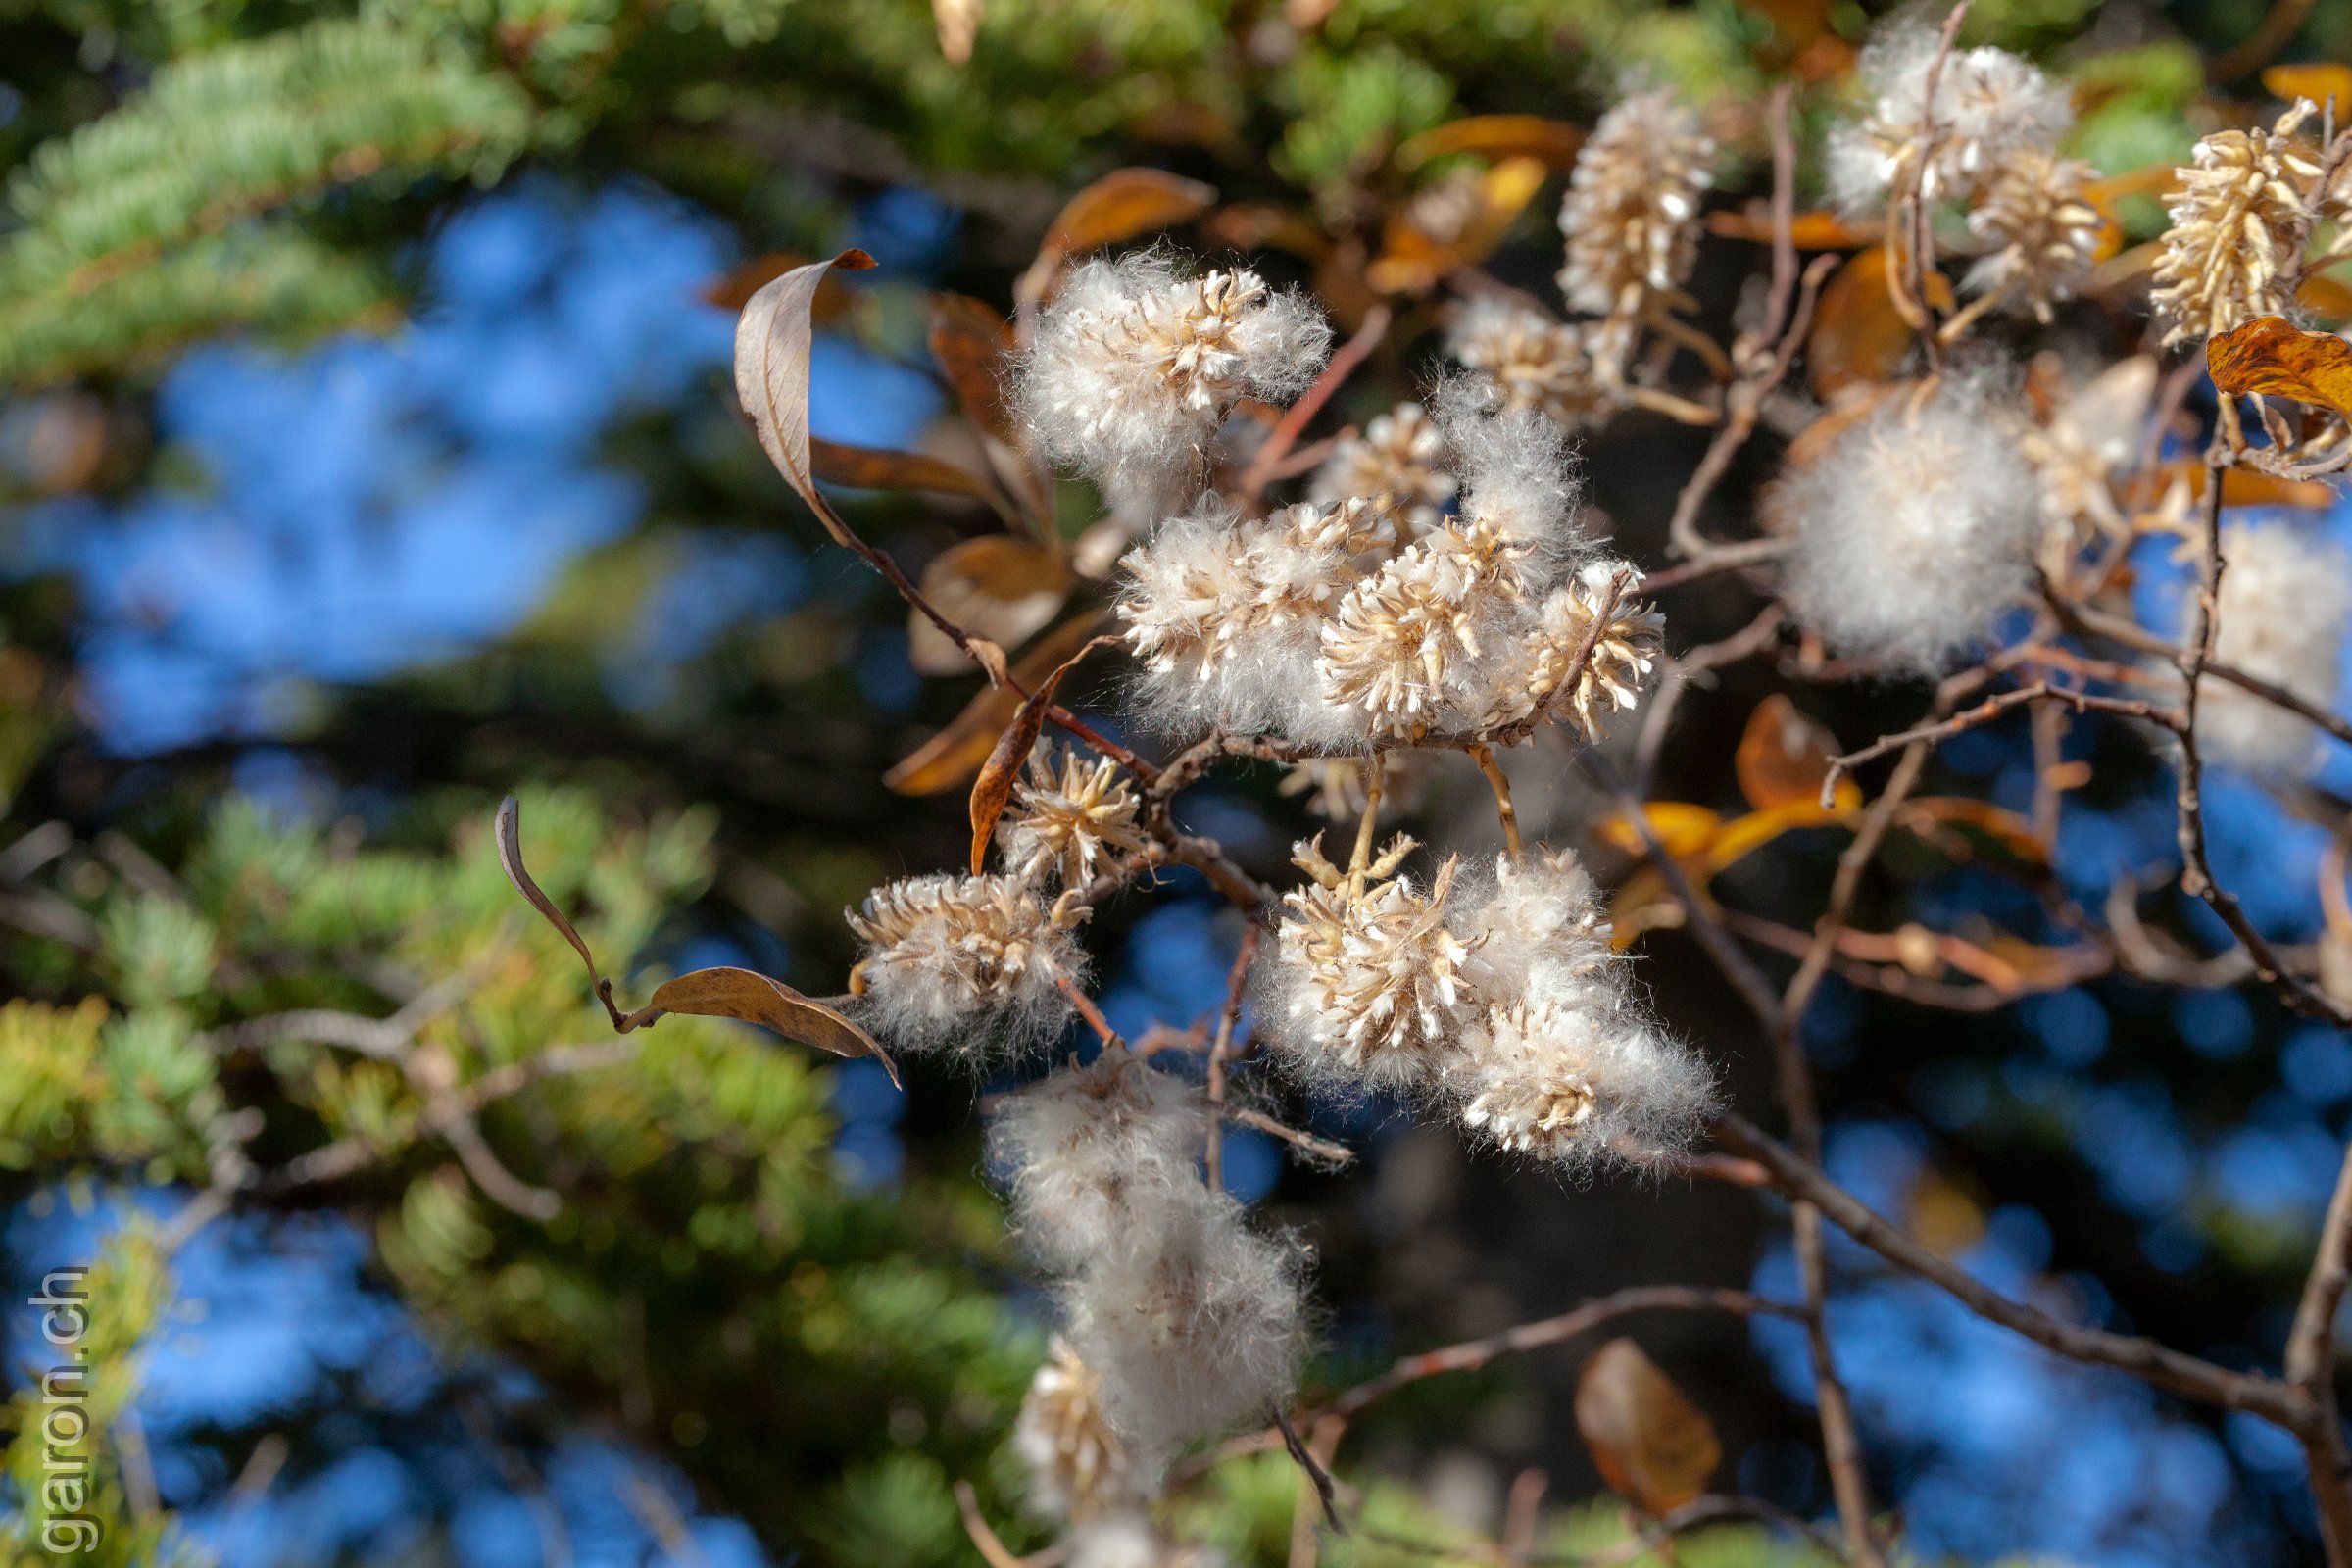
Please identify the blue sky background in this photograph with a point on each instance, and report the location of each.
(378, 503)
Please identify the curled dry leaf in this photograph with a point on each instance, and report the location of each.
(973, 345)
(1651, 1445)
(997, 587)
(2318, 82)
(1858, 334)
(733, 289)
(755, 998)
(1782, 754)
(2272, 355)
(720, 992)
(1496, 136)
(2326, 295)
(944, 761)
(1450, 226)
(1002, 769)
(1122, 203)
(771, 374)
(872, 469)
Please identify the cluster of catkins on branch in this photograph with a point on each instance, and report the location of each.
(1437, 591)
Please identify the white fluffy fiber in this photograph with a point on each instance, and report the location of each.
(2286, 600)
(1913, 529)
(1094, 1155)
(1561, 1007)
(1194, 1334)
(1191, 1321)
(1987, 104)
(1519, 474)
(1134, 365)
(963, 966)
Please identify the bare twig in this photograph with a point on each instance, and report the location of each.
(1294, 421)
(1220, 1052)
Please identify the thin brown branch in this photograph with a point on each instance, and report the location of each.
(1294, 421)
(1471, 1355)
(1220, 1052)
(2160, 1365)
(2196, 872)
(1992, 708)
(1318, 1148)
(1504, 810)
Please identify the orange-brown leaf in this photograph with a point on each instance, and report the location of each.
(1743, 836)
(944, 761)
(755, 998)
(996, 586)
(2328, 295)
(733, 289)
(872, 469)
(2272, 355)
(1496, 136)
(1782, 754)
(508, 832)
(1858, 335)
(1413, 258)
(1683, 830)
(1651, 1445)
(971, 343)
(772, 339)
(2318, 82)
(1002, 769)
(2148, 180)
(1808, 231)
(1122, 203)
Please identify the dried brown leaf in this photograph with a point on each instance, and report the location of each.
(1002, 769)
(771, 374)
(997, 587)
(1122, 203)
(1858, 334)
(755, 998)
(944, 761)
(2318, 82)
(872, 469)
(1782, 756)
(1496, 136)
(508, 831)
(972, 345)
(1412, 258)
(1651, 1445)
(2272, 355)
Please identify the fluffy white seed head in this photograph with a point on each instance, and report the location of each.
(1226, 616)
(1559, 1059)
(1135, 364)
(1394, 465)
(1914, 527)
(1988, 105)
(1195, 1335)
(2241, 213)
(2038, 232)
(1412, 648)
(1524, 360)
(961, 963)
(1520, 476)
(2286, 602)
(1609, 682)
(1630, 214)
(1077, 1466)
(1366, 983)
(1066, 823)
(1096, 1158)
